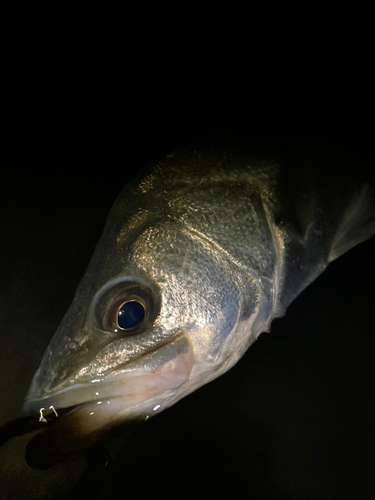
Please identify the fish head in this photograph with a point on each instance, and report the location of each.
(160, 311)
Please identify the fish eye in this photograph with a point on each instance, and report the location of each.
(126, 306)
(130, 315)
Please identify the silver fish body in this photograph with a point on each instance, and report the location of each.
(202, 241)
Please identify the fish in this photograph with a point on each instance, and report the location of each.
(201, 251)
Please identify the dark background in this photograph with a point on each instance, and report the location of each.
(90, 94)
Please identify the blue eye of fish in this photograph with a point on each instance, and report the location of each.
(130, 315)
(125, 306)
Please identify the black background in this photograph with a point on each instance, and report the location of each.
(90, 94)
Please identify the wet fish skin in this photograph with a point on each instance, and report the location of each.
(205, 239)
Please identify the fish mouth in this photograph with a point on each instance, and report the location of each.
(163, 369)
(80, 415)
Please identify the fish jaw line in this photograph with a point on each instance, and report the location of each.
(131, 388)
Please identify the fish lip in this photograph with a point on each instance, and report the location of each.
(35, 405)
(134, 385)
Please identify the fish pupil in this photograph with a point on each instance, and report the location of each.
(130, 315)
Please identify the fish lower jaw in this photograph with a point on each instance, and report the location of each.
(75, 429)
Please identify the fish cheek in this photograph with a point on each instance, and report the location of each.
(220, 317)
